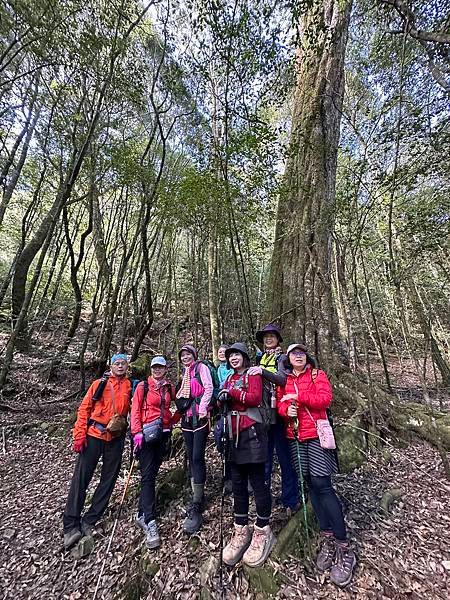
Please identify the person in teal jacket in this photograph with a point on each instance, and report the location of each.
(222, 370)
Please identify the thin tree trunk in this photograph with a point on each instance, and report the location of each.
(213, 295)
(11, 185)
(427, 331)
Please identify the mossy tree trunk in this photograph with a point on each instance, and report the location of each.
(300, 287)
(300, 277)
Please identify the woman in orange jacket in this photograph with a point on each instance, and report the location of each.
(302, 402)
(150, 426)
(99, 432)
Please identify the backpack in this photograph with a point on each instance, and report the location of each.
(262, 413)
(214, 379)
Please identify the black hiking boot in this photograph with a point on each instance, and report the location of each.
(193, 520)
(86, 529)
(71, 538)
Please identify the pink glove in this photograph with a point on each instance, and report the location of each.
(79, 445)
(137, 441)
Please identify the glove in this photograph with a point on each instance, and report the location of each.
(79, 446)
(137, 442)
(223, 395)
(255, 371)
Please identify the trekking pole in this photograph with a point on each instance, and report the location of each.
(302, 483)
(114, 528)
(224, 444)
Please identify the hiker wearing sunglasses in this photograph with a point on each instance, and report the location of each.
(99, 432)
(248, 455)
(303, 403)
(192, 399)
(272, 368)
(150, 427)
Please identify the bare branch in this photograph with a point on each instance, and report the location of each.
(409, 20)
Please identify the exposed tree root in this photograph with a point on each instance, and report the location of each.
(363, 410)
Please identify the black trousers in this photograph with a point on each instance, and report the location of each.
(195, 440)
(150, 459)
(240, 476)
(111, 454)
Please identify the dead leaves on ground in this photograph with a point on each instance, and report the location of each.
(402, 554)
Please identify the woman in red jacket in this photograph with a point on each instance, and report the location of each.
(248, 455)
(301, 402)
(145, 413)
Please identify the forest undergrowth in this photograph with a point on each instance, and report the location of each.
(403, 553)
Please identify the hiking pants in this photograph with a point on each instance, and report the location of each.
(327, 506)
(317, 466)
(195, 440)
(289, 482)
(150, 459)
(111, 454)
(241, 475)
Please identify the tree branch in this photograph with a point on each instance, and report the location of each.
(409, 21)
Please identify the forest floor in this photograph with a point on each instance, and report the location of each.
(404, 553)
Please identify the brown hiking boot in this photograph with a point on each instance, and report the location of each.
(342, 569)
(233, 551)
(261, 545)
(326, 554)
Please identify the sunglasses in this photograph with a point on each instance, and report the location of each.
(298, 353)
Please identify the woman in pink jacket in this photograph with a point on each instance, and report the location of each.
(151, 418)
(301, 402)
(192, 399)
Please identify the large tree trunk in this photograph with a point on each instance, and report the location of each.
(300, 277)
(300, 287)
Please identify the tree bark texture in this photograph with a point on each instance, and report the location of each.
(299, 294)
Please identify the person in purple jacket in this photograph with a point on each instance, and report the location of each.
(195, 390)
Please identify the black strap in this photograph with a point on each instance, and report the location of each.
(161, 393)
(100, 389)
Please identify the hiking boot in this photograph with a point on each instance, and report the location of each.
(193, 520)
(71, 538)
(86, 529)
(326, 554)
(260, 547)
(240, 541)
(344, 563)
(152, 538)
(140, 522)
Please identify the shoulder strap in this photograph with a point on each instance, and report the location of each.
(314, 374)
(245, 380)
(197, 371)
(162, 391)
(144, 394)
(112, 397)
(100, 388)
(227, 380)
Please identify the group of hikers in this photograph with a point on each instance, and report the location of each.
(280, 405)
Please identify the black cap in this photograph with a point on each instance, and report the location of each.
(237, 347)
(269, 328)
